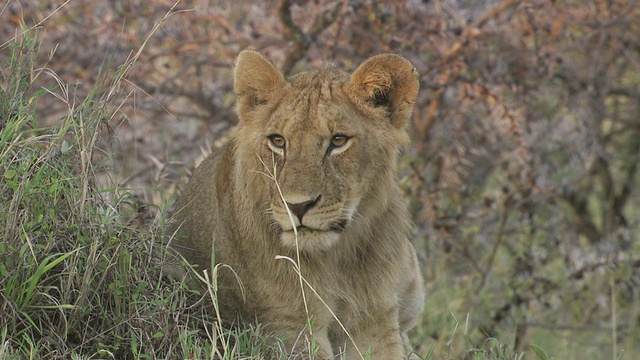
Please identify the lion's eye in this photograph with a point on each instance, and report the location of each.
(339, 141)
(277, 141)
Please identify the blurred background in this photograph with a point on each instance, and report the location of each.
(522, 174)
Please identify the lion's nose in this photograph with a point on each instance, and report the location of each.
(299, 209)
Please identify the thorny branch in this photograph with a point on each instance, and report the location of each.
(471, 32)
(298, 38)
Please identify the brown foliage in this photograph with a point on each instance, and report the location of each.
(523, 177)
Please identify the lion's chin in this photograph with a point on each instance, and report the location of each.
(310, 240)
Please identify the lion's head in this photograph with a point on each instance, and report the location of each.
(330, 140)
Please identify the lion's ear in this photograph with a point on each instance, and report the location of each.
(390, 81)
(256, 80)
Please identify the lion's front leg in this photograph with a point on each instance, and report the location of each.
(322, 346)
(301, 344)
(378, 339)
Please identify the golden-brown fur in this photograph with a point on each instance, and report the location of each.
(327, 143)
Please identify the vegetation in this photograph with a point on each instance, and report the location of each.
(522, 177)
(76, 281)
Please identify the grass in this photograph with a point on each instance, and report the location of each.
(79, 279)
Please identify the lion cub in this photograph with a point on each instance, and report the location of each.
(310, 174)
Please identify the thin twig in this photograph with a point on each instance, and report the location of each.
(300, 40)
(472, 31)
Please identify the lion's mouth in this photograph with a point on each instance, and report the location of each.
(338, 226)
(313, 239)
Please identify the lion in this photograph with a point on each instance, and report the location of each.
(304, 206)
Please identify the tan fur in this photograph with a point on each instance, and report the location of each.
(353, 245)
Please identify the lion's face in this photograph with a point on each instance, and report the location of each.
(318, 141)
(321, 149)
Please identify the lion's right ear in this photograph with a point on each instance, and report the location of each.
(387, 81)
(256, 80)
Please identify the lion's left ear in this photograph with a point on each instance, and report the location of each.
(257, 81)
(390, 81)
